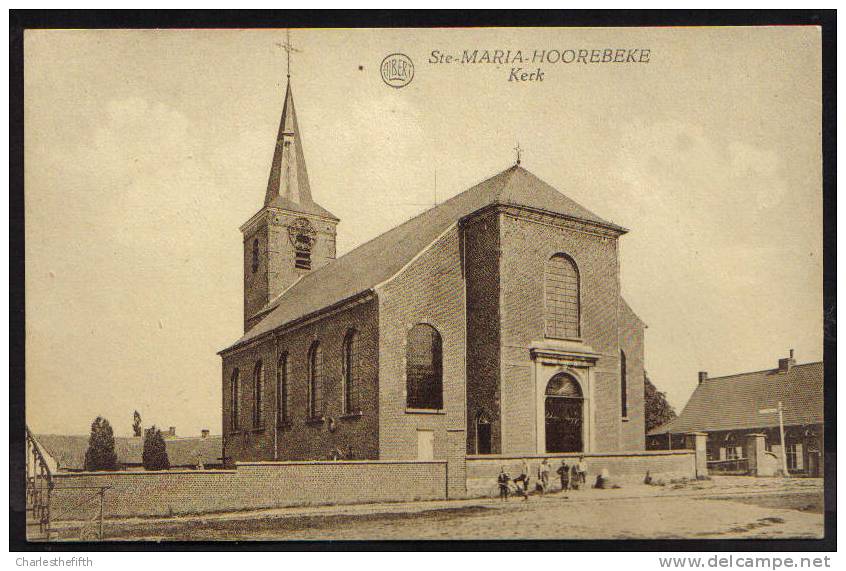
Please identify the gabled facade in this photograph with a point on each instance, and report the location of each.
(493, 321)
(736, 408)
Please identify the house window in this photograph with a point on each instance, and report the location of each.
(282, 375)
(233, 388)
(351, 372)
(561, 291)
(795, 457)
(315, 381)
(255, 255)
(624, 396)
(424, 368)
(258, 392)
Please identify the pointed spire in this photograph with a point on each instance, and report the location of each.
(288, 176)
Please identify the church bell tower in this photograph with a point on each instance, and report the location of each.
(291, 235)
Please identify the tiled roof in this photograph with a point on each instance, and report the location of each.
(69, 451)
(377, 260)
(734, 402)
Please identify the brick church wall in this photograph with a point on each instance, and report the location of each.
(305, 440)
(633, 430)
(481, 254)
(527, 245)
(429, 290)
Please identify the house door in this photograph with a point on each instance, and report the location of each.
(425, 445)
(564, 408)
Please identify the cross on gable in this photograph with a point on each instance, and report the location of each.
(519, 151)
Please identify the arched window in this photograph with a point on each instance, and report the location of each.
(255, 255)
(424, 368)
(315, 381)
(282, 405)
(233, 399)
(258, 393)
(561, 290)
(351, 372)
(624, 390)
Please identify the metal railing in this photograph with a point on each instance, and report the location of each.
(41, 488)
(734, 466)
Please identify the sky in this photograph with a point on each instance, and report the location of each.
(146, 150)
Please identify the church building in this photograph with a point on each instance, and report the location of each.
(493, 320)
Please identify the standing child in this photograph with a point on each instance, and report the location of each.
(564, 472)
(503, 479)
(543, 476)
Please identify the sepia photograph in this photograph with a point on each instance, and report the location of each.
(425, 283)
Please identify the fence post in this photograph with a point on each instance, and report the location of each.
(697, 442)
(102, 501)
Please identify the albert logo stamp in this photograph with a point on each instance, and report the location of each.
(397, 70)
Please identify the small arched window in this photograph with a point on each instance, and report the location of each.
(483, 433)
(424, 368)
(255, 255)
(258, 393)
(561, 292)
(351, 372)
(233, 399)
(315, 381)
(282, 404)
(624, 390)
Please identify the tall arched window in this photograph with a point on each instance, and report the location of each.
(424, 368)
(315, 381)
(255, 255)
(258, 393)
(351, 373)
(282, 405)
(233, 399)
(624, 390)
(561, 290)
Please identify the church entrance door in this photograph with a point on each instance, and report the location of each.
(564, 408)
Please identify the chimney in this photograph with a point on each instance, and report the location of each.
(784, 365)
(703, 376)
(204, 433)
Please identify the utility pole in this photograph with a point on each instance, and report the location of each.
(783, 441)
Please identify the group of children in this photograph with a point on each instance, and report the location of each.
(572, 476)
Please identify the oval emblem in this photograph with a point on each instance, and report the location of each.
(397, 70)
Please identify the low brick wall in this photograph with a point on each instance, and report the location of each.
(623, 467)
(251, 485)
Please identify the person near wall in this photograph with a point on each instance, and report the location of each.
(575, 479)
(543, 476)
(582, 470)
(564, 473)
(503, 480)
(524, 479)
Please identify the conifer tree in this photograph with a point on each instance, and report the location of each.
(100, 454)
(154, 455)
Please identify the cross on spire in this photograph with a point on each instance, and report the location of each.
(289, 48)
(519, 151)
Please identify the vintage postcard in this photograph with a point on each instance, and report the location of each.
(444, 283)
